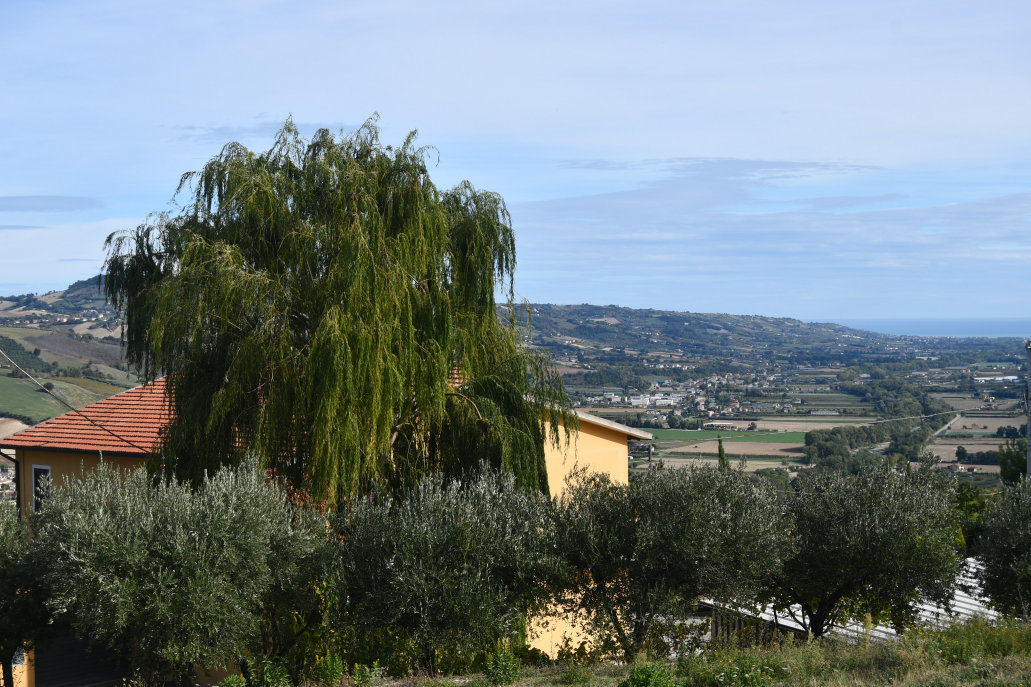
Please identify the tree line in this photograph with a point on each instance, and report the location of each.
(243, 571)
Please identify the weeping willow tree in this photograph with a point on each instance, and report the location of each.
(326, 308)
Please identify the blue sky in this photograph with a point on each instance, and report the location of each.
(819, 160)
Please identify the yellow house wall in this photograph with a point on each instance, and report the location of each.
(594, 447)
(24, 675)
(597, 449)
(62, 464)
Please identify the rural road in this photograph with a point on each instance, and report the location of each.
(948, 424)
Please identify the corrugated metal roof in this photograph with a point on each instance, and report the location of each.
(132, 419)
(968, 602)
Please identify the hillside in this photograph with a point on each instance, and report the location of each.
(591, 336)
(73, 336)
(69, 338)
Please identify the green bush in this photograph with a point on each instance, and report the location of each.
(961, 643)
(273, 674)
(502, 668)
(233, 681)
(730, 668)
(329, 670)
(648, 675)
(367, 676)
(531, 656)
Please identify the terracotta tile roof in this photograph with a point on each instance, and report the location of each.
(136, 416)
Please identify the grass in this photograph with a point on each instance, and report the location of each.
(94, 386)
(972, 654)
(20, 398)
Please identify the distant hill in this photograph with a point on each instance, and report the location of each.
(73, 335)
(84, 298)
(589, 336)
(69, 338)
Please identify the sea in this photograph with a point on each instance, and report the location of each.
(994, 327)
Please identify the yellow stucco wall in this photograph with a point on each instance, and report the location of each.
(598, 449)
(61, 464)
(24, 675)
(594, 447)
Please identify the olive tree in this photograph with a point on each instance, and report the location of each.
(169, 577)
(24, 617)
(873, 543)
(649, 549)
(325, 307)
(1005, 549)
(448, 565)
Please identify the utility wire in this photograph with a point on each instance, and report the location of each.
(69, 406)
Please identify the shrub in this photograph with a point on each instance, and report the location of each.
(329, 670)
(648, 675)
(272, 673)
(233, 681)
(367, 676)
(730, 668)
(502, 667)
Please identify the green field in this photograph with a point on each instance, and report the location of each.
(695, 435)
(94, 386)
(22, 397)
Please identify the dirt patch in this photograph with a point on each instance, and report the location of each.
(9, 426)
(986, 424)
(945, 447)
(750, 465)
(802, 426)
(744, 449)
(966, 402)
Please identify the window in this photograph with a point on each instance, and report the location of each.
(40, 479)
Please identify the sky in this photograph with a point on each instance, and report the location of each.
(820, 160)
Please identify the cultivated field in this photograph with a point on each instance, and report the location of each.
(984, 425)
(742, 449)
(960, 401)
(809, 424)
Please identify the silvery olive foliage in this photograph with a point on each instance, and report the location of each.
(169, 576)
(873, 543)
(1005, 550)
(451, 565)
(649, 549)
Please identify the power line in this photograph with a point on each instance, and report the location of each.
(69, 406)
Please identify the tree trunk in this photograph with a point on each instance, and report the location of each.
(817, 624)
(430, 660)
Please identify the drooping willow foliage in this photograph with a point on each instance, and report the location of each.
(323, 306)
